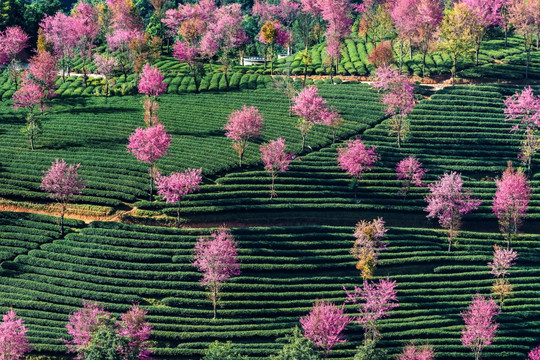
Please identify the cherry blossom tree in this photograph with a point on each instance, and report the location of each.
(105, 66)
(134, 327)
(375, 301)
(355, 158)
(30, 97)
(82, 324)
(62, 182)
(13, 40)
(333, 119)
(60, 30)
(217, 258)
(189, 54)
(534, 354)
(503, 259)
(413, 352)
(405, 21)
(272, 34)
(480, 326)
(398, 98)
(523, 15)
(42, 71)
(286, 12)
(429, 15)
(511, 201)
(13, 341)
(242, 126)
(311, 108)
(151, 84)
(86, 26)
(524, 107)
(275, 160)
(368, 245)
(530, 145)
(177, 185)
(448, 201)
(324, 325)
(149, 145)
(410, 170)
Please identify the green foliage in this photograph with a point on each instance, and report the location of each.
(222, 351)
(296, 348)
(104, 344)
(369, 352)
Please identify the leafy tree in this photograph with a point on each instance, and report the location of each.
(62, 182)
(275, 159)
(429, 14)
(405, 21)
(382, 55)
(368, 245)
(217, 258)
(13, 41)
(457, 33)
(86, 26)
(273, 34)
(524, 107)
(355, 158)
(480, 326)
(298, 347)
(13, 341)
(242, 126)
(324, 324)
(449, 202)
(42, 70)
(511, 201)
(105, 66)
(369, 352)
(411, 172)
(149, 145)
(375, 301)
(30, 97)
(222, 351)
(177, 185)
(503, 259)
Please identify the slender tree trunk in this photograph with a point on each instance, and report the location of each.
(62, 219)
(85, 77)
(401, 56)
(272, 191)
(272, 60)
(303, 141)
(424, 54)
(454, 68)
(528, 60)
(214, 301)
(241, 155)
(150, 172)
(476, 52)
(178, 215)
(32, 139)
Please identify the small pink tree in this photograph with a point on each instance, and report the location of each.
(152, 85)
(411, 172)
(413, 352)
(398, 98)
(324, 325)
(43, 71)
(177, 185)
(134, 327)
(13, 342)
(82, 324)
(275, 160)
(368, 245)
(62, 182)
(311, 108)
(448, 201)
(530, 145)
(13, 41)
(375, 301)
(355, 158)
(333, 120)
(105, 66)
(30, 97)
(534, 354)
(503, 259)
(480, 326)
(511, 201)
(242, 126)
(524, 107)
(217, 258)
(149, 145)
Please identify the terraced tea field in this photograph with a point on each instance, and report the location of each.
(284, 269)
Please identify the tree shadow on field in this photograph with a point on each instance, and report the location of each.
(12, 119)
(209, 133)
(99, 110)
(104, 144)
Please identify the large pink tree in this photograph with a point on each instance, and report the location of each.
(448, 202)
(242, 126)
(151, 84)
(62, 182)
(174, 187)
(523, 15)
(13, 41)
(149, 145)
(411, 172)
(134, 327)
(216, 258)
(355, 158)
(61, 31)
(324, 325)
(86, 26)
(13, 341)
(523, 106)
(275, 159)
(43, 71)
(81, 324)
(398, 96)
(405, 21)
(413, 352)
(480, 325)
(511, 201)
(375, 301)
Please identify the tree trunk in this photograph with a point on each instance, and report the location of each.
(214, 301)
(505, 36)
(303, 141)
(178, 215)
(85, 77)
(272, 192)
(424, 54)
(401, 56)
(527, 66)
(62, 219)
(454, 68)
(240, 154)
(32, 139)
(151, 184)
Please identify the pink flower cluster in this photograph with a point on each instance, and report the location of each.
(398, 92)
(13, 342)
(503, 259)
(355, 157)
(480, 326)
(62, 181)
(524, 107)
(152, 82)
(244, 124)
(177, 185)
(274, 157)
(13, 40)
(412, 352)
(410, 169)
(150, 144)
(512, 196)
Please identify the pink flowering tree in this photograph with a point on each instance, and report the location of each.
(13, 41)
(523, 16)
(413, 352)
(86, 26)
(480, 325)
(524, 107)
(534, 354)
(174, 187)
(217, 259)
(405, 22)
(97, 335)
(275, 160)
(430, 15)
(311, 109)
(105, 66)
(62, 182)
(190, 54)
(398, 98)
(242, 126)
(411, 172)
(42, 70)
(374, 301)
(151, 84)
(511, 201)
(324, 325)
(60, 30)
(355, 158)
(448, 202)
(368, 244)
(30, 97)
(503, 259)
(149, 145)
(273, 34)
(530, 145)
(13, 342)
(333, 119)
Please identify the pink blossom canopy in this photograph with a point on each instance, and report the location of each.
(151, 81)
(524, 107)
(274, 157)
(355, 157)
(150, 144)
(398, 92)
(503, 259)
(62, 181)
(309, 105)
(512, 196)
(133, 326)
(82, 324)
(13, 342)
(244, 124)
(412, 352)
(12, 41)
(177, 185)
(480, 326)
(410, 169)
(29, 95)
(534, 354)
